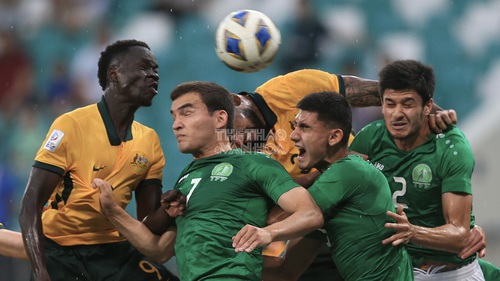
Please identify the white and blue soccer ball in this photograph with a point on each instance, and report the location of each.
(247, 40)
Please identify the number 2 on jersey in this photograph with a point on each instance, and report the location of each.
(398, 193)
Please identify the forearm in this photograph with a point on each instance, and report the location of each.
(361, 92)
(11, 244)
(158, 248)
(297, 224)
(32, 234)
(448, 237)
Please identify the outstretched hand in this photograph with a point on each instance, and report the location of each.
(404, 230)
(250, 237)
(174, 203)
(440, 120)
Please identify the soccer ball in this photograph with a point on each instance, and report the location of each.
(247, 40)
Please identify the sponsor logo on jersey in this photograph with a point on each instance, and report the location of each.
(139, 163)
(221, 172)
(378, 165)
(422, 176)
(54, 140)
(95, 169)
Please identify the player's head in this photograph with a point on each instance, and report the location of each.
(408, 75)
(129, 66)
(406, 88)
(322, 128)
(201, 110)
(110, 53)
(250, 123)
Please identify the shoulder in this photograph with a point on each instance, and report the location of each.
(454, 138)
(79, 116)
(453, 143)
(373, 127)
(374, 131)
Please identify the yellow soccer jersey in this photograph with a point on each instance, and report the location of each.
(281, 94)
(82, 145)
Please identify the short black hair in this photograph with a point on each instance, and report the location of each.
(213, 95)
(112, 51)
(332, 109)
(408, 75)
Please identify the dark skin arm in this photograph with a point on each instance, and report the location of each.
(148, 200)
(361, 92)
(159, 221)
(41, 184)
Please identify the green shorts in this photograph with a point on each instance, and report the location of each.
(114, 262)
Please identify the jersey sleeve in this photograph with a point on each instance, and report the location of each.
(458, 165)
(58, 152)
(270, 176)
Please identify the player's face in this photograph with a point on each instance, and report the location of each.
(404, 115)
(311, 138)
(138, 76)
(194, 127)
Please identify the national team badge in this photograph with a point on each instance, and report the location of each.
(221, 172)
(54, 140)
(422, 176)
(139, 163)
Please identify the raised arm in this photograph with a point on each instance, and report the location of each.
(361, 92)
(158, 248)
(305, 216)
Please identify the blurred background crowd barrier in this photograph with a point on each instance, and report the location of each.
(49, 51)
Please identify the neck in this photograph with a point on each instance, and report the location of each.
(334, 155)
(219, 144)
(121, 114)
(414, 141)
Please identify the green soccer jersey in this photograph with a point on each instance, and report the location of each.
(354, 198)
(224, 193)
(418, 178)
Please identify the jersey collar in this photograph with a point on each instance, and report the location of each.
(113, 137)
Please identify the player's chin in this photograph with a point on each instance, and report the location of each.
(304, 164)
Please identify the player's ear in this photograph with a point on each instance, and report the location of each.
(113, 74)
(236, 99)
(221, 119)
(428, 107)
(335, 136)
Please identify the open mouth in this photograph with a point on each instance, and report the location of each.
(302, 152)
(154, 88)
